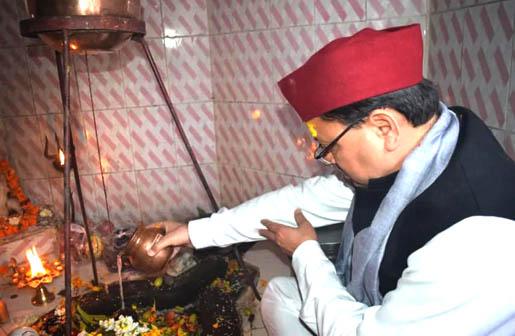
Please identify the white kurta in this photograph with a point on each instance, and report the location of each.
(460, 283)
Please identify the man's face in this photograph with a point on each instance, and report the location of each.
(374, 148)
(356, 153)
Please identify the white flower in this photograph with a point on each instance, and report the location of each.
(124, 326)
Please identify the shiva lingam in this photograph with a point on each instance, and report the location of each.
(40, 273)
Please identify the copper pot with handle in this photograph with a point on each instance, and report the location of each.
(141, 242)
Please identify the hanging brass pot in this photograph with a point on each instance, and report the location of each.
(93, 25)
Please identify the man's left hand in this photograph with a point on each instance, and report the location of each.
(289, 238)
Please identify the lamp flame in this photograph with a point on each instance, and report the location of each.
(61, 157)
(36, 266)
(256, 114)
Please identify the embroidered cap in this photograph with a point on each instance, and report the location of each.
(349, 69)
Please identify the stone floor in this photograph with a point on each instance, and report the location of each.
(271, 262)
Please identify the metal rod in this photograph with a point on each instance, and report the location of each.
(184, 138)
(76, 175)
(67, 190)
(178, 123)
(84, 216)
(96, 137)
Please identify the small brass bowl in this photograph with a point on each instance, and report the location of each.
(141, 243)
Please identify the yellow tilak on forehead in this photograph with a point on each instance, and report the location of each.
(312, 129)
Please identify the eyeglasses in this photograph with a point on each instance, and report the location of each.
(322, 151)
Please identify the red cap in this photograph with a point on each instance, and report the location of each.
(349, 69)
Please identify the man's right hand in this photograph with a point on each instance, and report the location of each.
(176, 236)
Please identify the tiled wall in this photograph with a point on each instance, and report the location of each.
(221, 60)
(261, 142)
(123, 132)
(472, 57)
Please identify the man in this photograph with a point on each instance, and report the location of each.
(426, 192)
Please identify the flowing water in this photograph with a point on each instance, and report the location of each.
(119, 266)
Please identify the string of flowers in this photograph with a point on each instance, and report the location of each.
(30, 211)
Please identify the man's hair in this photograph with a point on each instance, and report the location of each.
(418, 103)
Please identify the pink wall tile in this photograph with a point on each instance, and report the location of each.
(264, 137)
(16, 94)
(159, 193)
(253, 183)
(329, 11)
(114, 137)
(153, 17)
(253, 55)
(152, 137)
(256, 183)
(86, 145)
(241, 184)
(25, 147)
(326, 33)
(49, 125)
(443, 5)
(379, 9)
(199, 125)
(234, 15)
(231, 180)
(45, 82)
(38, 191)
(223, 66)
(106, 77)
(181, 18)
(444, 61)
(122, 197)
(290, 48)
(276, 181)
(83, 136)
(81, 87)
(189, 69)
(193, 197)
(399, 21)
(293, 145)
(285, 13)
(229, 140)
(10, 36)
(141, 88)
(487, 48)
(175, 193)
(219, 18)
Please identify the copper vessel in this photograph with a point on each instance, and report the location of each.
(139, 246)
(86, 40)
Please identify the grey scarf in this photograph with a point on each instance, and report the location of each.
(359, 257)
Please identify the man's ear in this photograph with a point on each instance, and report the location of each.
(385, 125)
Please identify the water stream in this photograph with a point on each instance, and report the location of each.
(119, 264)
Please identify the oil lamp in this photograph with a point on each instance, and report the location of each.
(58, 159)
(39, 273)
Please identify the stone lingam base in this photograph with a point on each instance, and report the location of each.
(225, 306)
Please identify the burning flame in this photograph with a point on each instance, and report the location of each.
(256, 114)
(36, 266)
(88, 6)
(61, 157)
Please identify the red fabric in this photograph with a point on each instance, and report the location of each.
(349, 69)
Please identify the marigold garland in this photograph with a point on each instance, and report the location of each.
(30, 211)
